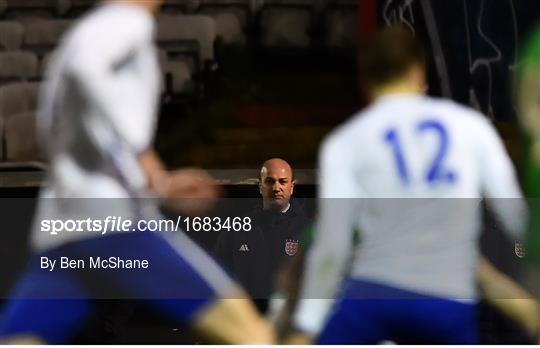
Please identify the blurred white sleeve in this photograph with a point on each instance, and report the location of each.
(331, 249)
(499, 182)
(96, 53)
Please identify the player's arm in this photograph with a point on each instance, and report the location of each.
(327, 258)
(499, 181)
(508, 297)
(190, 191)
(156, 174)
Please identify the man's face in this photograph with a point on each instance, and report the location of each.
(276, 184)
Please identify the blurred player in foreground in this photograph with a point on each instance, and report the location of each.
(97, 118)
(386, 175)
(528, 92)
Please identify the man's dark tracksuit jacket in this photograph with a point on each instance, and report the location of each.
(254, 257)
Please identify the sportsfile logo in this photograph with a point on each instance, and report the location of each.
(110, 223)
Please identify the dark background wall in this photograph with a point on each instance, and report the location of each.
(474, 45)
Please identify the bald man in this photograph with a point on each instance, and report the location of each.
(276, 185)
(255, 256)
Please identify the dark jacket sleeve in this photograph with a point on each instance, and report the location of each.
(223, 250)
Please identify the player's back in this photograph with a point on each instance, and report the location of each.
(418, 169)
(416, 147)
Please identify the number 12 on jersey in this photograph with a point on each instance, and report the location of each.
(436, 172)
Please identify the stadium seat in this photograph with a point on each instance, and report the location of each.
(2, 141)
(162, 57)
(180, 72)
(35, 8)
(11, 35)
(163, 61)
(230, 24)
(180, 31)
(18, 66)
(13, 99)
(177, 6)
(32, 93)
(20, 135)
(232, 18)
(43, 35)
(18, 97)
(286, 23)
(181, 76)
(44, 63)
(341, 24)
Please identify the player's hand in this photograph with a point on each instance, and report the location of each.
(191, 191)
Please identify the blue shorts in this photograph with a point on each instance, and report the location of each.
(53, 305)
(370, 313)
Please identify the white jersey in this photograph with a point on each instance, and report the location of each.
(408, 174)
(97, 112)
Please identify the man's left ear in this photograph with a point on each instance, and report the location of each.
(292, 186)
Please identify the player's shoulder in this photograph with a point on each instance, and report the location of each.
(473, 126)
(455, 109)
(465, 117)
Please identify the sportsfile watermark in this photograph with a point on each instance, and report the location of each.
(108, 224)
(422, 243)
(120, 224)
